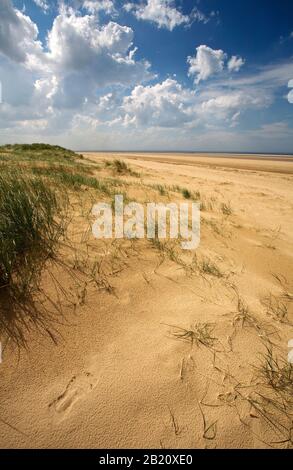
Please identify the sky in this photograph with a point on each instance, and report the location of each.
(168, 75)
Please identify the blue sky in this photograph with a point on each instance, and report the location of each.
(202, 75)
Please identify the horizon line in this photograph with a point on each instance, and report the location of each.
(187, 151)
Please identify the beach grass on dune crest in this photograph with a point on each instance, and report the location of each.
(36, 182)
(28, 229)
(71, 178)
(39, 185)
(37, 153)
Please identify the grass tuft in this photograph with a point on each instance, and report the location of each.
(186, 193)
(121, 168)
(28, 229)
(199, 334)
(277, 373)
(276, 307)
(226, 209)
(209, 267)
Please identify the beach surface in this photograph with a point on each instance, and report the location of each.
(253, 162)
(167, 351)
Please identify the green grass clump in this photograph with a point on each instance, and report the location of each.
(272, 399)
(277, 372)
(186, 193)
(121, 168)
(226, 209)
(28, 230)
(209, 267)
(277, 306)
(77, 180)
(161, 189)
(72, 179)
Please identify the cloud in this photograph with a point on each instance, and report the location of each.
(18, 34)
(80, 59)
(103, 54)
(43, 4)
(165, 104)
(95, 6)
(284, 39)
(80, 56)
(161, 12)
(264, 78)
(46, 87)
(219, 104)
(197, 15)
(85, 87)
(228, 105)
(235, 63)
(275, 130)
(222, 98)
(208, 62)
(76, 44)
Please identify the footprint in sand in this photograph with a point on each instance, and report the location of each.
(77, 388)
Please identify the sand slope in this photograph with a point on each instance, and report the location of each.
(117, 376)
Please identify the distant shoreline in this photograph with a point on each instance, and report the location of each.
(205, 155)
(251, 162)
(247, 155)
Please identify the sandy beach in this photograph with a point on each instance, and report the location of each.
(257, 162)
(167, 349)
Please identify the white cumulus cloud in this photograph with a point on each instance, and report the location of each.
(208, 62)
(18, 33)
(95, 6)
(79, 45)
(161, 12)
(81, 57)
(165, 104)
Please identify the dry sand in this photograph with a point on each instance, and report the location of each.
(117, 377)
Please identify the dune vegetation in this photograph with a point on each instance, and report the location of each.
(209, 327)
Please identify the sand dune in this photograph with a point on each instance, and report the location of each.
(121, 373)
